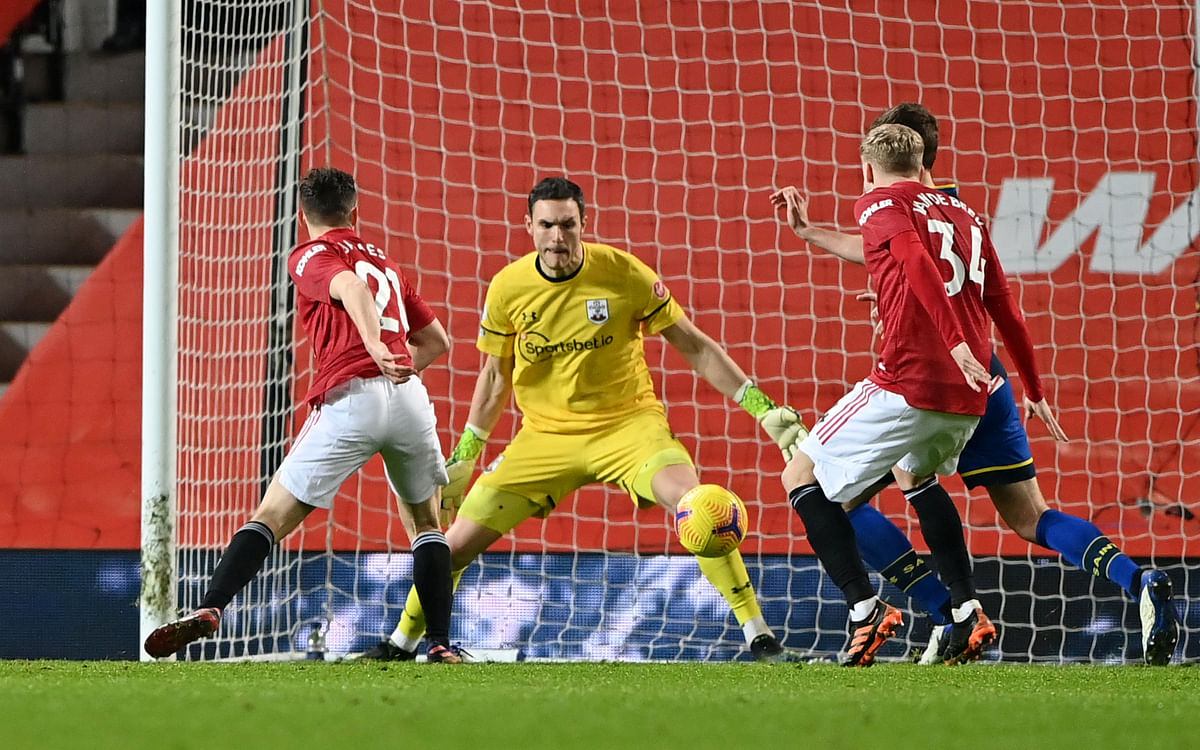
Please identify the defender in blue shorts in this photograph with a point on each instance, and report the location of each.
(998, 452)
(998, 459)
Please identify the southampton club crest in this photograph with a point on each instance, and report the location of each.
(597, 311)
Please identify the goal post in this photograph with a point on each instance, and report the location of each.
(678, 119)
(159, 317)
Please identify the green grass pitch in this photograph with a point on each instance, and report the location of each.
(297, 705)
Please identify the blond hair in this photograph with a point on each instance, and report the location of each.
(894, 149)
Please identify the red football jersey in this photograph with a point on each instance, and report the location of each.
(958, 262)
(335, 340)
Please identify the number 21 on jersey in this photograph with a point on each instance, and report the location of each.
(387, 285)
(974, 269)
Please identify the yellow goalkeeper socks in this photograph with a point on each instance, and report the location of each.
(728, 574)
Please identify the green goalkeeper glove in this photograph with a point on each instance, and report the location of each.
(782, 423)
(459, 467)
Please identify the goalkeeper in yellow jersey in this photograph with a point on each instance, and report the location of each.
(563, 331)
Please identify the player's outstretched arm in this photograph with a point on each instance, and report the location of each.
(492, 390)
(1002, 308)
(359, 303)
(428, 344)
(711, 362)
(1011, 324)
(795, 206)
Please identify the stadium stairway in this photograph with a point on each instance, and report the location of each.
(76, 188)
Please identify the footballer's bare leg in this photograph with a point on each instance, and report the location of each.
(468, 540)
(1021, 504)
(280, 510)
(670, 483)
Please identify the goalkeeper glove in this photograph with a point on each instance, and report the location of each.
(459, 467)
(782, 423)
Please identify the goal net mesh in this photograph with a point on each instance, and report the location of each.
(1071, 125)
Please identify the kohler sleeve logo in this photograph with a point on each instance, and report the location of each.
(304, 259)
(1115, 211)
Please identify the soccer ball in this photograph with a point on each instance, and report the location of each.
(711, 521)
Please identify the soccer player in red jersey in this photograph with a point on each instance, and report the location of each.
(938, 281)
(997, 458)
(371, 335)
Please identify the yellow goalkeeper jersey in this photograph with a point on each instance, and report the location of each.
(577, 342)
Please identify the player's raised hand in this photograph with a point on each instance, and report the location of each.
(795, 207)
(977, 375)
(1041, 410)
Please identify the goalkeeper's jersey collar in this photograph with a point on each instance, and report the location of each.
(537, 264)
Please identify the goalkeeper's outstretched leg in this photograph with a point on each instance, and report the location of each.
(728, 573)
(501, 511)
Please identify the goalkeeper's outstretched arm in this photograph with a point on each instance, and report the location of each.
(492, 389)
(711, 362)
(708, 358)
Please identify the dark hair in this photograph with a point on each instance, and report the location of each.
(327, 196)
(913, 115)
(556, 189)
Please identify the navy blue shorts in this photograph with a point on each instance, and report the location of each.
(998, 452)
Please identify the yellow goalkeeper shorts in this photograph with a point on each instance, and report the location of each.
(538, 469)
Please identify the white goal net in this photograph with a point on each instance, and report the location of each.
(1071, 125)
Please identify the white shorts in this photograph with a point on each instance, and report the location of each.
(359, 419)
(870, 430)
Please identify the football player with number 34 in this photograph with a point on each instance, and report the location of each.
(926, 393)
(562, 330)
(997, 458)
